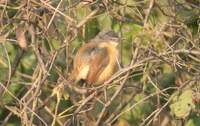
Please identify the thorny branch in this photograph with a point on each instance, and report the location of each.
(159, 47)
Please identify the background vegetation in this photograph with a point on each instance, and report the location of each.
(158, 83)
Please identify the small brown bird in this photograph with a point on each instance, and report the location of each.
(96, 61)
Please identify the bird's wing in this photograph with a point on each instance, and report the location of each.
(83, 55)
(98, 61)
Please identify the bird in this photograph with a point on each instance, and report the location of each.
(96, 61)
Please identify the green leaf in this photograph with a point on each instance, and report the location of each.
(195, 121)
(183, 104)
(104, 22)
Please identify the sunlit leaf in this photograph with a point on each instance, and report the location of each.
(182, 104)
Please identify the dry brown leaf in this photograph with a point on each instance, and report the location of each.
(21, 38)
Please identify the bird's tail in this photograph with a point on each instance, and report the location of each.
(71, 83)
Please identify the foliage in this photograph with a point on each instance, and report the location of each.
(158, 83)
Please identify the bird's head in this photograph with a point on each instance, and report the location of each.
(108, 36)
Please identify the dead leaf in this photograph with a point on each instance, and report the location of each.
(21, 38)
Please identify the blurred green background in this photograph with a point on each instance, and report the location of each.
(171, 80)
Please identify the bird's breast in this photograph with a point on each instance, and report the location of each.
(112, 65)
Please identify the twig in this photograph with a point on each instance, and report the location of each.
(14, 66)
(140, 101)
(107, 104)
(11, 94)
(71, 20)
(148, 12)
(87, 18)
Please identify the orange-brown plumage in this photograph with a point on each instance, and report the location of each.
(96, 61)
